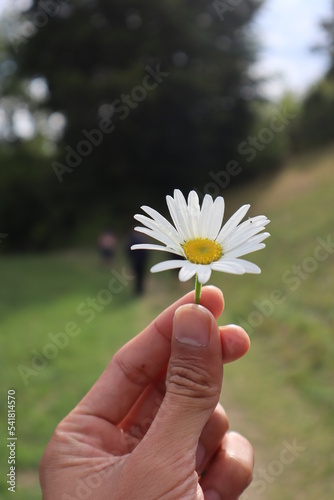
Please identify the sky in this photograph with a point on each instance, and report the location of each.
(286, 29)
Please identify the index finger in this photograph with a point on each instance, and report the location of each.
(139, 362)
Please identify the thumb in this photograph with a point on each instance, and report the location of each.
(193, 381)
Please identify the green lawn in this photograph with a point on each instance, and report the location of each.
(280, 395)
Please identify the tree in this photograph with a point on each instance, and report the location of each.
(328, 28)
(155, 96)
(315, 124)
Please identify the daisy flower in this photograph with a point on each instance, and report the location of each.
(198, 237)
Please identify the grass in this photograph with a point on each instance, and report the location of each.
(280, 393)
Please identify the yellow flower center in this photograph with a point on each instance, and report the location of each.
(202, 250)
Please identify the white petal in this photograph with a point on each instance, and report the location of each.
(193, 204)
(187, 272)
(178, 211)
(217, 217)
(203, 273)
(249, 267)
(240, 238)
(232, 223)
(227, 266)
(160, 222)
(183, 212)
(170, 229)
(258, 238)
(205, 217)
(193, 213)
(211, 217)
(149, 246)
(167, 264)
(243, 250)
(150, 223)
(158, 235)
(154, 231)
(249, 245)
(247, 229)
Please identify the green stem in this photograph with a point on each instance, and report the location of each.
(198, 288)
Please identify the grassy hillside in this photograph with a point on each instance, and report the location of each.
(280, 395)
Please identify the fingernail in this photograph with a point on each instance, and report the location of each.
(211, 495)
(192, 324)
(200, 456)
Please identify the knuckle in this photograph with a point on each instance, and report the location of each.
(191, 380)
(136, 375)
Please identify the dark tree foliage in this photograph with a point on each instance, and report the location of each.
(160, 92)
(316, 122)
(328, 27)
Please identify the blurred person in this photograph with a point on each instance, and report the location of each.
(138, 260)
(106, 244)
(151, 427)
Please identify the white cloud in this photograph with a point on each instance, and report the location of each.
(287, 30)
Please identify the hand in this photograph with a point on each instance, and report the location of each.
(151, 427)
